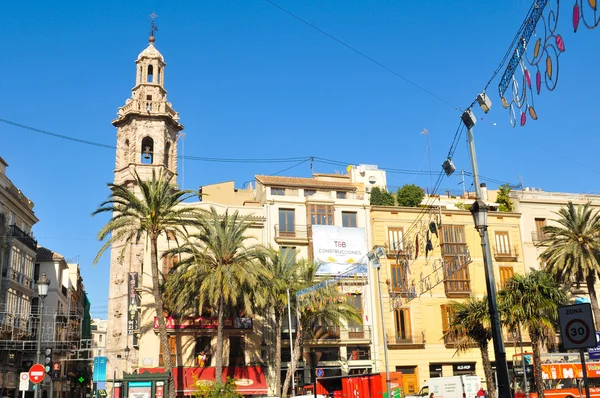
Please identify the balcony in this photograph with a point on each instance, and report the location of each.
(18, 278)
(395, 249)
(538, 236)
(506, 255)
(292, 234)
(410, 339)
(22, 237)
(358, 354)
(203, 323)
(325, 332)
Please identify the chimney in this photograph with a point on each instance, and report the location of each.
(484, 193)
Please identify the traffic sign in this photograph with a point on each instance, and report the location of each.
(577, 326)
(319, 372)
(37, 373)
(24, 381)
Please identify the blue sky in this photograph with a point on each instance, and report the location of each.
(251, 81)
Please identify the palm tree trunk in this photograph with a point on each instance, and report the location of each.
(278, 327)
(220, 338)
(537, 362)
(591, 281)
(490, 381)
(289, 374)
(162, 326)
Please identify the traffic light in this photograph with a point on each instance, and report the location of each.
(55, 371)
(48, 360)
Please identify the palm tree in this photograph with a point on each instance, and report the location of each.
(325, 304)
(573, 249)
(532, 300)
(155, 210)
(283, 271)
(469, 326)
(219, 268)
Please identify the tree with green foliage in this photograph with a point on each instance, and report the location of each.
(410, 195)
(283, 273)
(219, 268)
(469, 325)
(381, 197)
(532, 301)
(326, 305)
(572, 251)
(156, 210)
(503, 198)
(216, 390)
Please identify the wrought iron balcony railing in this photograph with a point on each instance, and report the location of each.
(291, 231)
(22, 236)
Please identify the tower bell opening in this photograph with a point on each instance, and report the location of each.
(147, 151)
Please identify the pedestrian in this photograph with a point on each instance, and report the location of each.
(481, 393)
(431, 395)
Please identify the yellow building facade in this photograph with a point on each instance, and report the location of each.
(434, 256)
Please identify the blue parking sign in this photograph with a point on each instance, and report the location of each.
(595, 352)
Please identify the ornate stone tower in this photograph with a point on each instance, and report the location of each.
(147, 126)
(147, 132)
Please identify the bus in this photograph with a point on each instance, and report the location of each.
(562, 374)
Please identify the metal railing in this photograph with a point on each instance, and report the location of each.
(359, 354)
(22, 237)
(292, 231)
(538, 236)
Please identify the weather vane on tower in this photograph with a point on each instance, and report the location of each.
(153, 27)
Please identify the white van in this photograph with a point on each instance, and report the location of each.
(450, 387)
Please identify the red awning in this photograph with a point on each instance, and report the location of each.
(249, 380)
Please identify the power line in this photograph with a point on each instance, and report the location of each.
(363, 55)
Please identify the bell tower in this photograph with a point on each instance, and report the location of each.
(147, 132)
(147, 125)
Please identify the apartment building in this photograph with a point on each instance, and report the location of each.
(99, 337)
(434, 256)
(17, 288)
(336, 207)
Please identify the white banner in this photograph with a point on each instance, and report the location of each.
(337, 248)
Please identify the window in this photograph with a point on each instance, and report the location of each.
(168, 262)
(349, 219)
(341, 195)
(286, 222)
(147, 150)
(505, 274)
(395, 238)
(277, 191)
(402, 322)
(236, 351)
(150, 73)
(321, 214)
(100, 338)
(36, 272)
(309, 192)
(172, 349)
(502, 244)
(288, 254)
(355, 329)
(446, 319)
(540, 223)
(455, 256)
(399, 277)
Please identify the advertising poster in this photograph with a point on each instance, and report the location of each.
(133, 322)
(338, 248)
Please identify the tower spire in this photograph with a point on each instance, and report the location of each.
(153, 27)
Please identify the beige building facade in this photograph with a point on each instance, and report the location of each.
(434, 256)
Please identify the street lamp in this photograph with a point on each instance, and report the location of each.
(42, 284)
(374, 256)
(127, 350)
(479, 210)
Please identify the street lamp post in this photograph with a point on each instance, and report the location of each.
(479, 210)
(42, 284)
(374, 256)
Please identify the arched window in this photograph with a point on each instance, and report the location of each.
(126, 152)
(147, 151)
(150, 73)
(158, 80)
(167, 152)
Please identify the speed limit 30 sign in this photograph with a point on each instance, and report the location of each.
(577, 326)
